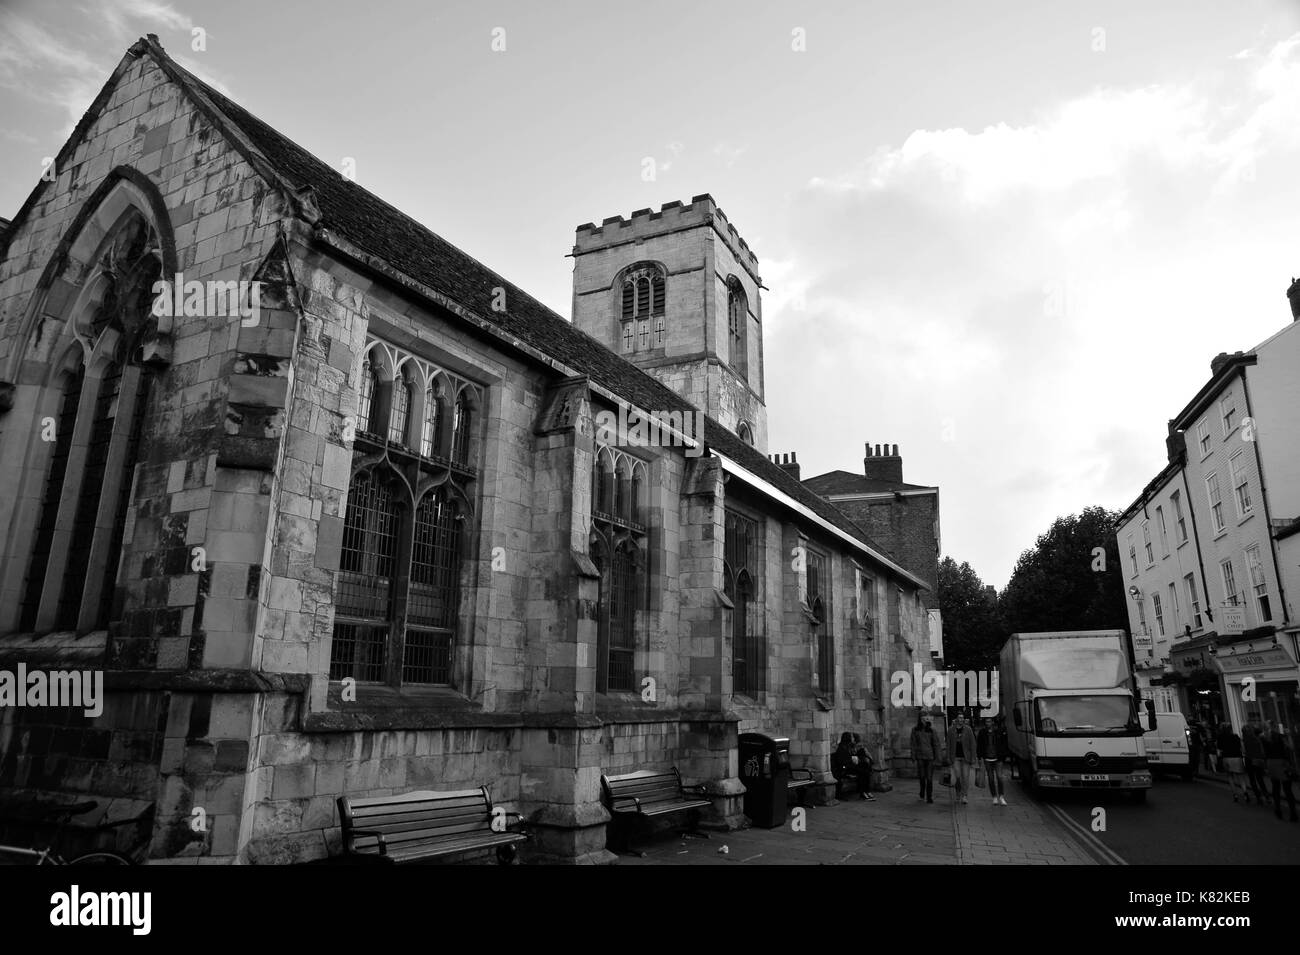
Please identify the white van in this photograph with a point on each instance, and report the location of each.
(1167, 746)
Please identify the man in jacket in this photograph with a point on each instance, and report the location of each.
(925, 750)
(961, 753)
(991, 747)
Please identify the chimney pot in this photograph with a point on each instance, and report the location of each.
(1293, 295)
(789, 464)
(895, 450)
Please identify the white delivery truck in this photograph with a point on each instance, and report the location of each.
(1073, 718)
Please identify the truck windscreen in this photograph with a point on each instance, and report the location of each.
(1085, 715)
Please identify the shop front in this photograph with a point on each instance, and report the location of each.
(1197, 679)
(1262, 680)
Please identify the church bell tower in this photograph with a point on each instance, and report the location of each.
(676, 292)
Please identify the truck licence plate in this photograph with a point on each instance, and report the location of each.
(1154, 757)
(1096, 778)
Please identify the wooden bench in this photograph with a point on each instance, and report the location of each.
(797, 785)
(427, 825)
(646, 794)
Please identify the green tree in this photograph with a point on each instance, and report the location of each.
(1071, 579)
(972, 631)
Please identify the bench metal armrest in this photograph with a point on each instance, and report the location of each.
(379, 837)
(807, 774)
(699, 789)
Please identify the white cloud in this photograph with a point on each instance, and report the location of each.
(67, 64)
(1018, 280)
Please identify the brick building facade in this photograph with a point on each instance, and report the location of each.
(346, 516)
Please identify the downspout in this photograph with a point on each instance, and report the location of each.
(1196, 537)
(1263, 493)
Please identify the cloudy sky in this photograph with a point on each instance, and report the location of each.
(1006, 236)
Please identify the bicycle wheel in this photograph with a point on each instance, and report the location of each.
(101, 858)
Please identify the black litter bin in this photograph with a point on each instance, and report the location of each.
(765, 771)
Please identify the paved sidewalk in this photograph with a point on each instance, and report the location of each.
(896, 829)
(1021, 832)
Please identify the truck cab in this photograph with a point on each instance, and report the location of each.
(1084, 730)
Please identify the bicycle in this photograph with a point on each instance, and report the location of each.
(59, 816)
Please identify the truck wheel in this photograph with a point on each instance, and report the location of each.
(1139, 797)
(1188, 774)
(1027, 775)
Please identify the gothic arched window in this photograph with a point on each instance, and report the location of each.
(818, 590)
(642, 308)
(91, 411)
(737, 325)
(745, 434)
(397, 591)
(742, 566)
(617, 543)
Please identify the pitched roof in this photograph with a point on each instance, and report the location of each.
(389, 235)
(846, 482)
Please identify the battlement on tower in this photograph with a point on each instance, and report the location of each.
(671, 217)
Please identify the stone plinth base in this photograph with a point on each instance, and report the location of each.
(568, 835)
(728, 809)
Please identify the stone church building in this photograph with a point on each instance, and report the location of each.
(331, 507)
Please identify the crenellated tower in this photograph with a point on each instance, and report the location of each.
(676, 292)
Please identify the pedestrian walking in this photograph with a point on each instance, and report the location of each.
(961, 753)
(1278, 760)
(1209, 748)
(848, 759)
(925, 750)
(1193, 749)
(991, 748)
(1252, 745)
(1234, 764)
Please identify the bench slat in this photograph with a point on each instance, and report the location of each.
(431, 817)
(393, 836)
(670, 787)
(424, 805)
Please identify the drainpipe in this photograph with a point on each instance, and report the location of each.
(1263, 493)
(1196, 537)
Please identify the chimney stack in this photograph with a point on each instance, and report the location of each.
(789, 463)
(884, 465)
(1175, 444)
(1221, 359)
(1293, 295)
